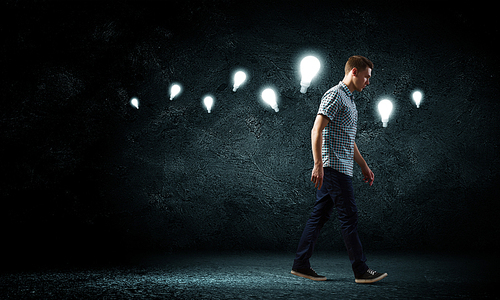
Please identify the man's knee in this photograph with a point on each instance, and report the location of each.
(349, 220)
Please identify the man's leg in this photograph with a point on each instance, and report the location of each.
(321, 213)
(348, 217)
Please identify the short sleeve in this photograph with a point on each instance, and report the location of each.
(329, 105)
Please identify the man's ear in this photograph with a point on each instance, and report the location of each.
(354, 72)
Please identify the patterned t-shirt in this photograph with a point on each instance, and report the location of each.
(338, 136)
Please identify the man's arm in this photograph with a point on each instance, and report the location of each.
(317, 142)
(367, 173)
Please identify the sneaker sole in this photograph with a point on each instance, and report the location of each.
(322, 278)
(371, 280)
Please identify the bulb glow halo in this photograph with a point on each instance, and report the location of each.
(239, 78)
(309, 67)
(417, 97)
(208, 101)
(269, 97)
(385, 109)
(175, 90)
(134, 102)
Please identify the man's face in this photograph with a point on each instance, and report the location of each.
(361, 79)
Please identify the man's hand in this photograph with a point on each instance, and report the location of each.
(368, 175)
(317, 176)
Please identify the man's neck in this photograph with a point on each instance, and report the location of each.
(348, 82)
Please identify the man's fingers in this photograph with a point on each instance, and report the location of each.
(320, 183)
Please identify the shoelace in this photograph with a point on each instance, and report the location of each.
(372, 272)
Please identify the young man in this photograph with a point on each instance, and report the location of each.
(334, 150)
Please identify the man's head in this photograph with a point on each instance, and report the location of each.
(359, 68)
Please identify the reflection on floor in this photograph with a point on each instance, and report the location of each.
(257, 275)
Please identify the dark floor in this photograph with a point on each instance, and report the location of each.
(258, 275)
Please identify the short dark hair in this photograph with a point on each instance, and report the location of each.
(359, 62)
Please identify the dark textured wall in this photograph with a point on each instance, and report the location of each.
(84, 172)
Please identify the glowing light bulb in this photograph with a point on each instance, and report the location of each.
(417, 97)
(134, 102)
(309, 67)
(385, 109)
(239, 79)
(174, 91)
(269, 96)
(209, 102)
